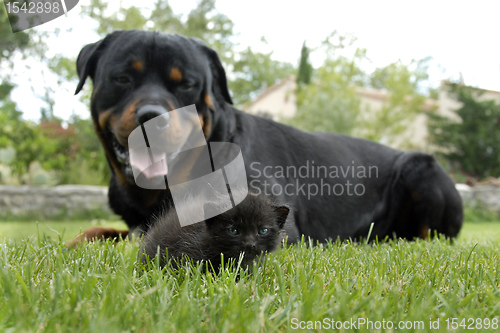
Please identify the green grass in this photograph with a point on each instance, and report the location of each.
(99, 287)
(480, 232)
(51, 229)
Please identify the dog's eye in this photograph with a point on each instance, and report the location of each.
(122, 79)
(263, 231)
(186, 85)
(232, 231)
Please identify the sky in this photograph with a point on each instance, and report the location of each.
(460, 36)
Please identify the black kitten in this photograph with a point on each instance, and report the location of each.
(252, 227)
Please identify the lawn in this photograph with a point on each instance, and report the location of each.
(423, 286)
(51, 229)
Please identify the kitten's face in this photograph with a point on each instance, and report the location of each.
(244, 235)
(252, 227)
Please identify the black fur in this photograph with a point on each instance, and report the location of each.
(236, 232)
(408, 194)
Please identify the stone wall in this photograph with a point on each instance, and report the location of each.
(52, 202)
(81, 200)
(482, 197)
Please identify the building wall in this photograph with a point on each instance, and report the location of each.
(447, 103)
(279, 101)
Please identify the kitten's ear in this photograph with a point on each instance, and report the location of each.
(281, 215)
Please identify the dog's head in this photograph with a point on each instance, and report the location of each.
(140, 75)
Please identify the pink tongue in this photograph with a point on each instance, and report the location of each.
(141, 160)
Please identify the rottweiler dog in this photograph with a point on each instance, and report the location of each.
(337, 185)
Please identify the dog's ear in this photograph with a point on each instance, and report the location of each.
(281, 215)
(216, 76)
(87, 59)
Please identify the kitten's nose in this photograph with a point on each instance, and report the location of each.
(250, 245)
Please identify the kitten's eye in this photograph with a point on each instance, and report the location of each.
(263, 231)
(232, 231)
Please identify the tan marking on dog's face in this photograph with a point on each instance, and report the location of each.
(202, 122)
(171, 105)
(138, 65)
(122, 125)
(184, 174)
(208, 102)
(205, 125)
(99, 128)
(175, 74)
(176, 134)
(103, 119)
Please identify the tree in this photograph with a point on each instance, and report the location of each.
(213, 27)
(255, 71)
(87, 163)
(9, 44)
(164, 19)
(15, 134)
(70, 146)
(65, 150)
(305, 70)
(330, 103)
(203, 22)
(124, 18)
(333, 101)
(471, 141)
(405, 101)
(19, 136)
(248, 71)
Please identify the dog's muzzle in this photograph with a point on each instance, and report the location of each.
(149, 112)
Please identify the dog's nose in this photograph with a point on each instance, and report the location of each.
(148, 112)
